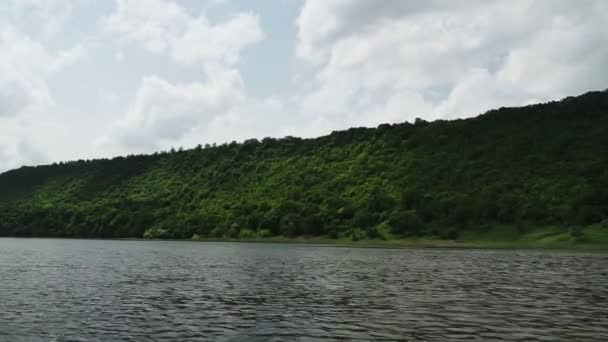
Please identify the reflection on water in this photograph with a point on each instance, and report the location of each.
(89, 290)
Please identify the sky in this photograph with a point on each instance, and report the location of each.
(83, 79)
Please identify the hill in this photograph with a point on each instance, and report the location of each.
(516, 168)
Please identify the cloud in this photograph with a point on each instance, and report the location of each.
(439, 59)
(108, 96)
(16, 151)
(25, 66)
(153, 23)
(165, 112)
(321, 23)
(160, 25)
(67, 57)
(119, 56)
(37, 17)
(203, 41)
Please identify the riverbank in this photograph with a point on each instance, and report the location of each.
(594, 238)
(414, 243)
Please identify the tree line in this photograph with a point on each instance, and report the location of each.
(537, 165)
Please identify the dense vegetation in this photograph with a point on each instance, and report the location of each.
(540, 165)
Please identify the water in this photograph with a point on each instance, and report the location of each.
(87, 290)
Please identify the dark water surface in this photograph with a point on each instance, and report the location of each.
(87, 290)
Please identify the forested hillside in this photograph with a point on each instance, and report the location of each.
(517, 167)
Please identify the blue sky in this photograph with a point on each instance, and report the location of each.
(99, 78)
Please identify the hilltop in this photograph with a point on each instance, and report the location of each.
(510, 170)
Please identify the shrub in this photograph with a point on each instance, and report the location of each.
(452, 234)
(357, 234)
(406, 223)
(246, 234)
(576, 232)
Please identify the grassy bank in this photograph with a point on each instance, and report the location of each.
(593, 238)
(497, 237)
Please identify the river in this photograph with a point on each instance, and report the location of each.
(107, 290)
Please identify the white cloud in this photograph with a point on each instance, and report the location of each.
(440, 59)
(153, 23)
(161, 25)
(202, 41)
(67, 57)
(163, 112)
(321, 23)
(25, 66)
(119, 56)
(166, 113)
(17, 150)
(37, 17)
(108, 96)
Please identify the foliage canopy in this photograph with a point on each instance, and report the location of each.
(529, 166)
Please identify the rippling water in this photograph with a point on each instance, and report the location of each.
(86, 290)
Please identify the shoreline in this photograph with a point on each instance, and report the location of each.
(414, 244)
(367, 243)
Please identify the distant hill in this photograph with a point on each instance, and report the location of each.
(519, 168)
